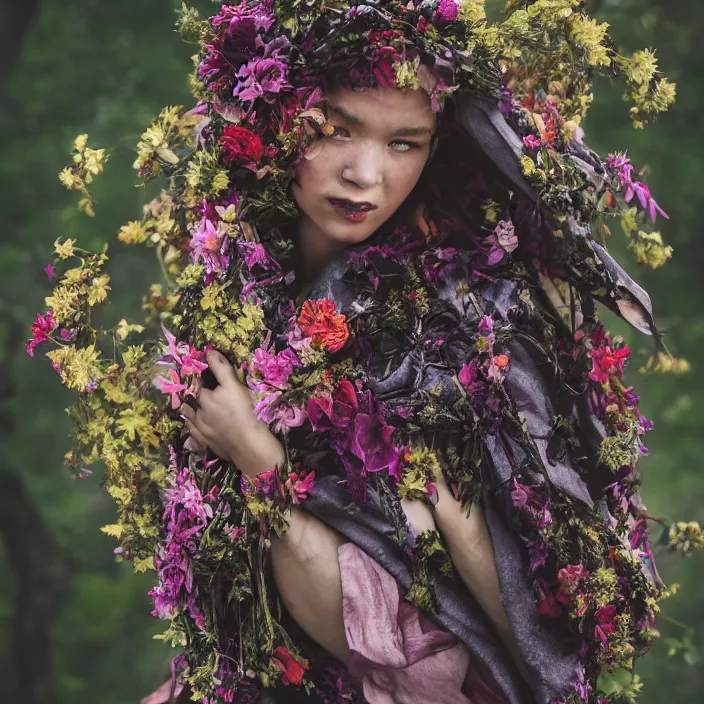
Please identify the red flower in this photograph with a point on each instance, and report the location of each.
(607, 362)
(290, 665)
(242, 145)
(319, 321)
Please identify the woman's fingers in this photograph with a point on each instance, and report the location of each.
(197, 435)
(221, 368)
(193, 446)
(187, 412)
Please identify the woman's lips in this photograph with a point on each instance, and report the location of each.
(351, 210)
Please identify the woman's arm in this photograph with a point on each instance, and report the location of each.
(307, 574)
(472, 553)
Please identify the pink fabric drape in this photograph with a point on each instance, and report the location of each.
(399, 654)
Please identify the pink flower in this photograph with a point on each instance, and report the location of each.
(300, 484)
(468, 374)
(502, 241)
(532, 142)
(521, 495)
(571, 576)
(255, 254)
(188, 359)
(271, 370)
(49, 271)
(208, 245)
(548, 606)
(172, 385)
(486, 324)
(234, 532)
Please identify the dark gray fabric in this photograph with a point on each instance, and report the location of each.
(528, 383)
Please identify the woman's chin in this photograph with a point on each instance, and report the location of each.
(351, 232)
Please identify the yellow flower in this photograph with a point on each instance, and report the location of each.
(85, 205)
(686, 537)
(472, 11)
(98, 291)
(640, 67)
(406, 74)
(491, 212)
(590, 34)
(664, 363)
(132, 233)
(64, 250)
(649, 249)
(124, 329)
(70, 179)
(93, 162)
(77, 367)
(131, 358)
(220, 182)
(80, 142)
(628, 221)
(63, 304)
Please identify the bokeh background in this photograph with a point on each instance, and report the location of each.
(75, 627)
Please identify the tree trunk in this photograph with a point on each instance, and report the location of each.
(41, 577)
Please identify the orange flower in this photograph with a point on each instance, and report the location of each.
(501, 360)
(319, 321)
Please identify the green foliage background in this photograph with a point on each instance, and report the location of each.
(107, 69)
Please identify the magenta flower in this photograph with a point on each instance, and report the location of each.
(255, 254)
(172, 385)
(532, 142)
(186, 515)
(646, 201)
(372, 443)
(447, 11)
(521, 496)
(607, 362)
(571, 576)
(50, 273)
(623, 167)
(260, 76)
(338, 412)
(41, 329)
(468, 374)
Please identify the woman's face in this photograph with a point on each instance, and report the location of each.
(350, 183)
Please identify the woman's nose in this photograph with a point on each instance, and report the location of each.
(364, 169)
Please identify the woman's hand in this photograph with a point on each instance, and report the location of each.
(225, 423)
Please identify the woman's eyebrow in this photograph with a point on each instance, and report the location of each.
(357, 122)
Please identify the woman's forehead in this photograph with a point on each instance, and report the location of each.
(390, 108)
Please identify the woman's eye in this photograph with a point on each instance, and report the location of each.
(404, 146)
(398, 145)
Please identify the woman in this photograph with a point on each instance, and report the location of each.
(365, 160)
(413, 475)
